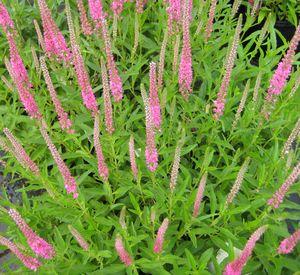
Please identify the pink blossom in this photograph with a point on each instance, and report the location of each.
(185, 66)
(102, 167)
(158, 245)
(288, 244)
(199, 195)
(55, 44)
(85, 24)
(123, 254)
(28, 261)
(79, 238)
(117, 6)
(5, 20)
(115, 80)
(278, 197)
(37, 244)
(133, 165)
(153, 97)
(21, 153)
(69, 180)
(96, 12)
(235, 267)
(210, 22)
(140, 5)
(174, 12)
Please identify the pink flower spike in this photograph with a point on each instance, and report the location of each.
(29, 262)
(69, 180)
(37, 244)
(174, 10)
(123, 254)
(278, 197)
(102, 167)
(96, 12)
(117, 6)
(79, 238)
(235, 267)
(158, 245)
(134, 168)
(288, 244)
(115, 80)
(153, 97)
(55, 44)
(85, 24)
(21, 153)
(199, 195)
(185, 67)
(139, 6)
(5, 20)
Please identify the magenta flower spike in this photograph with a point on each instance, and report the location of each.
(96, 12)
(115, 80)
(28, 261)
(55, 44)
(235, 267)
(185, 66)
(21, 153)
(174, 12)
(102, 167)
(279, 195)
(85, 23)
(5, 21)
(123, 254)
(153, 97)
(37, 244)
(158, 245)
(139, 5)
(288, 244)
(69, 180)
(117, 6)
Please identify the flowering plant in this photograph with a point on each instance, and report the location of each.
(157, 147)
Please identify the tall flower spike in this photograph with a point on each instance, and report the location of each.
(140, 5)
(150, 151)
(238, 182)
(37, 244)
(64, 121)
(39, 35)
(278, 197)
(85, 24)
(117, 6)
(235, 7)
(96, 12)
(21, 153)
(5, 21)
(87, 94)
(102, 168)
(123, 254)
(106, 98)
(55, 44)
(122, 220)
(69, 180)
(115, 80)
(210, 22)
(175, 168)
(82, 242)
(161, 64)
(256, 87)
(133, 165)
(279, 79)
(28, 261)
(176, 53)
(158, 245)
(235, 267)
(219, 103)
(174, 12)
(241, 105)
(288, 244)
(199, 195)
(153, 97)
(185, 66)
(295, 132)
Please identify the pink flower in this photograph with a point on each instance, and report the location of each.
(235, 267)
(153, 97)
(134, 168)
(85, 24)
(37, 244)
(288, 244)
(82, 242)
(5, 20)
(158, 245)
(21, 153)
(117, 6)
(96, 12)
(69, 180)
(55, 44)
(278, 197)
(140, 5)
(123, 254)
(199, 195)
(102, 168)
(210, 22)
(174, 10)
(28, 261)
(115, 80)
(185, 66)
